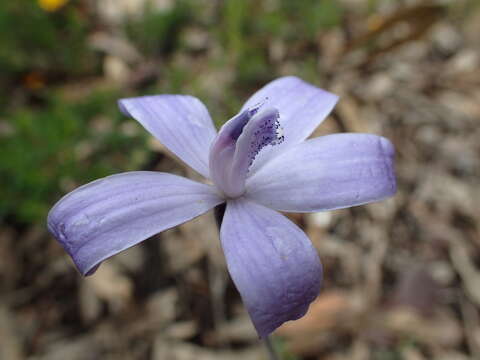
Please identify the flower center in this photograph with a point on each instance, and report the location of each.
(238, 143)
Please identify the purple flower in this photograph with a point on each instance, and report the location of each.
(259, 162)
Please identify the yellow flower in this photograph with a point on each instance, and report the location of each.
(51, 5)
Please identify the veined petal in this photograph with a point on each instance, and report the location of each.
(180, 122)
(326, 173)
(109, 215)
(302, 107)
(272, 263)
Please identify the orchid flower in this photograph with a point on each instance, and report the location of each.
(260, 162)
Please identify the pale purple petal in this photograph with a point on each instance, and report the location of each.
(326, 173)
(109, 215)
(302, 108)
(272, 263)
(180, 122)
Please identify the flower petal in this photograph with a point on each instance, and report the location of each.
(271, 261)
(326, 173)
(302, 108)
(180, 122)
(109, 215)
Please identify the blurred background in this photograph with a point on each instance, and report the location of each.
(402, 277)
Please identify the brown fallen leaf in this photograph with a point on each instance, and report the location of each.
(327, 311)
(10, 345)
(403, 26)
(110, 285)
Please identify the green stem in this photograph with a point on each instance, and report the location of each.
(270, 349)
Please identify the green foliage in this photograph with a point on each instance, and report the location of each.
(235, 20)
(157, 31)
(386, 354)
(309, 17)
(31, 38)
(56, 147)
(281, 349)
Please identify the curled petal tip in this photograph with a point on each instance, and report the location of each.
(388, 151)
(123, 108)
(387, 146)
